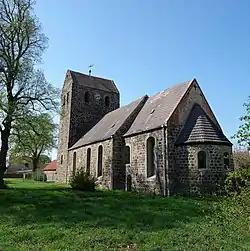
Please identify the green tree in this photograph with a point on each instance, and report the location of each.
(243, 134)
(44, 159)
(32, 137)
(23, 90)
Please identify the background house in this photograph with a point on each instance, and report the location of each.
(50, 171)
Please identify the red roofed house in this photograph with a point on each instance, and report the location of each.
(50, 171)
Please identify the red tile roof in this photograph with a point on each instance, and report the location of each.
(51, 166)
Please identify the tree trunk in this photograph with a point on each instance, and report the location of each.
(3, 153)
(35, 163)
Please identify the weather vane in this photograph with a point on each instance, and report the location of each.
(90, 67)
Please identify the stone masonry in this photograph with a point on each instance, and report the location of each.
(166, 118)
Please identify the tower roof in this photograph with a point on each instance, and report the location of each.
(94, 82)
(199, 128)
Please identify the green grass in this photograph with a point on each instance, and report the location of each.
(41, 216)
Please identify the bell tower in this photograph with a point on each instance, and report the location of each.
(85, 99)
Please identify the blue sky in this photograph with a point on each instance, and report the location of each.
(146, 46)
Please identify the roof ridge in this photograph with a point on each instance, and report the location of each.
(182, 83)
(188, 83)
(84, 74)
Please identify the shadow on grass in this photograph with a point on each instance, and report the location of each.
(101, 209)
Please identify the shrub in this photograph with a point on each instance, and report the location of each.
(82, 181)
(241, 159)
(39, 175)
(237, 181)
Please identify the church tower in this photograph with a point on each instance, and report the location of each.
(85, 99)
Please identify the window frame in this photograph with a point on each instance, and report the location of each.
(88, 160)
(74, 163)
(203, 165)
(107, 101)
(153, 160)
(99, 162)
(87, 97)
(127, 155)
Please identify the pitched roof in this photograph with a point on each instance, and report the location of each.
(199, 128)
(158, 109)
(94, 82)
(51, 166)
(109, 124)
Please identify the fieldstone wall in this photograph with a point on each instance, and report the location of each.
(84, 115)
(193, 179)
(113, 156)
(118, 162)
(78, 117)
(137, 168)
(183, 172)
(65, 114)
(81, 162)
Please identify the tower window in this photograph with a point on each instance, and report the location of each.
(150, 157)
(107, 101)
(87, 97)
(64, 100)
(202, 160)
(61, 159)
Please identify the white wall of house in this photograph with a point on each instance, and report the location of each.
(51, 175)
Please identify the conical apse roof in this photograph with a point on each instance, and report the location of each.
(199, 128)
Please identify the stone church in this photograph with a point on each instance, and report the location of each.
(167, 143)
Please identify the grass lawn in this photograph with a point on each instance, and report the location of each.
(41, 216)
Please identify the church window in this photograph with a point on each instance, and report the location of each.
(61, 159)
(150, 156)
(107, 101)
(202, 160)
(127, 155)
(99, 164)
(64, 100)
(74, 163)
(226, 160)
(88, 160)
(87, 97)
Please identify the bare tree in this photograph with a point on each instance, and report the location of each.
(23, 89)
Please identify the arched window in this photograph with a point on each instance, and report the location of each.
(202, 162)
(150, 157)
(86, 97)
(127, 155)
(226, 160)
(88, 161)
(107, 101)
(61, 159)
(99, 164)
(74, 163)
